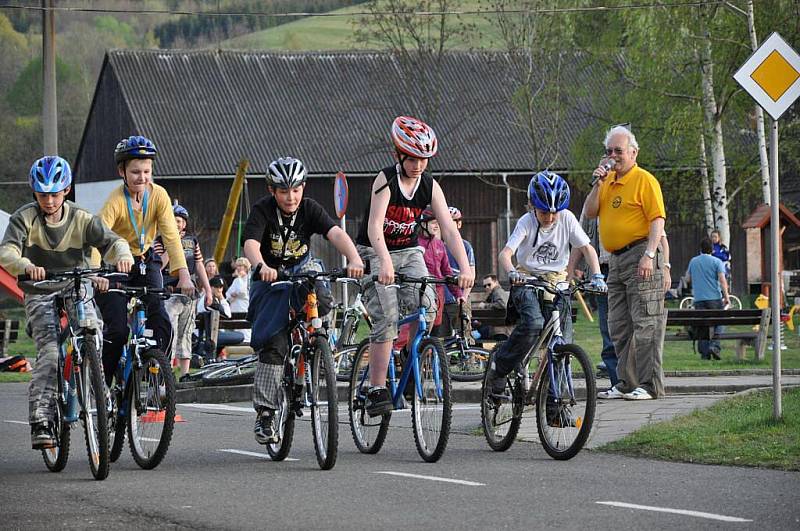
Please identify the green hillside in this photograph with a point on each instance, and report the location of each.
(337, 32)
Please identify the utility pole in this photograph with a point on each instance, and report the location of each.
(49, 111)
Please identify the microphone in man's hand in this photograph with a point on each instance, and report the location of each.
(609, 164)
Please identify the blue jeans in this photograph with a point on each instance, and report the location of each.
(531, 321)
(608, 354)
(709, 347)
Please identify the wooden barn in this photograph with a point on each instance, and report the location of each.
(207, 110)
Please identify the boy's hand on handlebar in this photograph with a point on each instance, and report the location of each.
(268, 274)
(355, 269)
(386, 274)
(35, 273)
(124, 266)
(515, 278)
(185, 284)
(466, 279)
(100, 283)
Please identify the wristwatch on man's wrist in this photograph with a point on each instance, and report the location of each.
(650, 254)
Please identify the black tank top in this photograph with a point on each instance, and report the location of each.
(400, 225)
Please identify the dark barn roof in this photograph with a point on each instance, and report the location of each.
(205, 110)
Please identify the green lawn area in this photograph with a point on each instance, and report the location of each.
(336, 32)
(736, 431)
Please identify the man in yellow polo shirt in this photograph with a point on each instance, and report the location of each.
(628, 201)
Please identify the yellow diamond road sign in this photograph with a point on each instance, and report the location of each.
(772, 75)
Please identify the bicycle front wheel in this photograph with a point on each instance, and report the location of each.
(231, 373)
(734, 303)
(467, 364)
(431, 411)
(55, 459)
(324, 405)
(369, 433)
(687, 303)
(501, 415)
(92, 392)
(151, 418)
(565, 402)
(284, 424)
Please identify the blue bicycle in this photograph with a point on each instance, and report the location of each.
(143, 392)
(429, 391)
(80, 388)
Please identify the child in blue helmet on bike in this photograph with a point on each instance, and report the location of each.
(53, 234)
(541, 241)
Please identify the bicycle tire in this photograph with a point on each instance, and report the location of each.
(151, 415)
(469, 366)
(431, 412)
(55, 459)
(734, 302)
(284, 423)
(231, 374)
(500, 418)
(116, 427)
(687, 303)
(94, 411)
(324, 405)
(369, 434)
(565, 428)
(344, 362)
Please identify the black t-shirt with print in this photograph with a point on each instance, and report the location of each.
(400, 224)
(287, 243)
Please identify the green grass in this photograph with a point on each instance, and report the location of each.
(337, 33)
(736, 431)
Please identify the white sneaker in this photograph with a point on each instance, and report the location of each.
(611, 393)
(638, 394)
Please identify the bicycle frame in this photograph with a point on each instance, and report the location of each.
(137, 339)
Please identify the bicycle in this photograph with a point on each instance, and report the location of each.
(431, 406)
(734, 303)
(80, 392)
(564, 406)
(467, 362)
(309, 377)
(343, 340)
(143, 393)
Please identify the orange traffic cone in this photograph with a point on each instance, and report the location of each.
(158, 416)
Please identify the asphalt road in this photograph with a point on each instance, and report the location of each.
(216, 476)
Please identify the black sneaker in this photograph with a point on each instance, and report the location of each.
(558, 417)
(42, 436)
(264, 429)
(378, 401)
(495, 383)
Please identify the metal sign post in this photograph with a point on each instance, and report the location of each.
(772, 77)
(341, 194)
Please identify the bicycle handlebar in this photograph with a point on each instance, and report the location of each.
(72, 274)
(408, 279)
(140, 291)
(554, 289)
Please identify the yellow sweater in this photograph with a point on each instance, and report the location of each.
(159, 219)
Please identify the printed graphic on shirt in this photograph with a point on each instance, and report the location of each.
(294, 247)
(546, 253)
(400, 224)
(616, 202)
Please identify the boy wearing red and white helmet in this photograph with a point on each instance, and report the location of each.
(388, 240)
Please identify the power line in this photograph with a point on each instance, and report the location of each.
(295, 14)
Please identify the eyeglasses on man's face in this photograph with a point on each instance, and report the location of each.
(487, 285)
(615, 151)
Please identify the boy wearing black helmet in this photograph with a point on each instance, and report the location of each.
(53, 234)
(137, 211)
(277, 236)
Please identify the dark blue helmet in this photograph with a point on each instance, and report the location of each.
(134, 147)
(180, 212)
(50, 174)
(548, 191)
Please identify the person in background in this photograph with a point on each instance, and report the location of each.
(438, 266)
(720, 251)
(710, 291)
(238, 294)
(496, 299)
(451, 308)
(211, 268)
(213, 337)
(181, 308)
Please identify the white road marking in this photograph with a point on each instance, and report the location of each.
(252, 454)
(431, 478)
(697, 514)
(220, 407)
(148, 439)
(16, 422)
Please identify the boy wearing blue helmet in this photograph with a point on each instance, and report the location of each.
(541, 241)
(52, 234)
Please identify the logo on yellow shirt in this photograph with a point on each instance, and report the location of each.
(616, 202)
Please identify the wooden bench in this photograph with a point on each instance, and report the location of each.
(9, 332)
(497, 319)
(705, 320)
